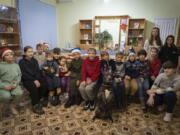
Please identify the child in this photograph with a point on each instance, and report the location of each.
(10, 90)
(164, 89)
(64, 74)
(33, 81)
(143, 79)
(131, 75)
(75, 69)
(90, 74)
(118, 83)
(56, 54)
(39, 55)
(155, 64)
(51, 70)
(169, 51)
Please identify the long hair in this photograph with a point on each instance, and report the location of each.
(169, 36)
(157, 38)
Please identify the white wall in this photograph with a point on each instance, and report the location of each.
(68, 14)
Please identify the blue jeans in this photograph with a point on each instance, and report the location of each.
(119, 92)
(143, 87)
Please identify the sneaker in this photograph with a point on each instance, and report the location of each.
(87, 105)
(55, 100)
(68, 104)
(38, 109)
(92, 105)
(44, 102)
(167, 117)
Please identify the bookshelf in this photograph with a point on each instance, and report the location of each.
(86, 34)
(136, 32)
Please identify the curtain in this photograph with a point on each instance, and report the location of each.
(167, 27)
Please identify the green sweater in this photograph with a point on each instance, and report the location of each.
(10, 73)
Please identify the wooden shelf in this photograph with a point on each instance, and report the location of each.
(136, 31)
(12, 33)
(86, 33)
(10, 39)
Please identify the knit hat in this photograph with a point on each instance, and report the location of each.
(4, 51)
(75, 51)
(132, 54)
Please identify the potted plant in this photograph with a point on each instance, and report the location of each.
(103, 39)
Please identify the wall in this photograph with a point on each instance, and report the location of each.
(38, 22)
(10, 3)
(68, 14)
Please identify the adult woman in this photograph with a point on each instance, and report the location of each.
(10, 77)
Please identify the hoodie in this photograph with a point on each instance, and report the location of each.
(91, 69)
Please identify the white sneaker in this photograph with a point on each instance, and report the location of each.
(167, 117)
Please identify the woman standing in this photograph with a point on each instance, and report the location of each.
(10, 77)
(154, 41)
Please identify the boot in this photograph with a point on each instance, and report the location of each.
(44, 101)
(38, 109)
(68, 103)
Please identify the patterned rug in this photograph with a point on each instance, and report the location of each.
(75, 121)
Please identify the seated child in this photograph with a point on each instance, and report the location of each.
(40, 55)
(143, 79)
(155, 64)
(118, 83)
(131, 75)
(56, 54)
(51, 71)
(90, 75)
(64, 74)
(10, 77)
(33, 81)
(75, 69)
(164, 89)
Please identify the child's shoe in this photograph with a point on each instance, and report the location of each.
(38, 109)
(167, 117)
(87, 105)
(92, 105)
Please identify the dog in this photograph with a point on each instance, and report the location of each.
(105, 97)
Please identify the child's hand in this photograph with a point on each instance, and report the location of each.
(45, 68)
(150, 92)
(117, 80)
(83, 84)
(127, 77)
(142, 79)
(57, 75)
(52, 70)
(68, 74)
(37, 83)
(59, 90)
(8, 88)
(13, 86)
(153, 78)
(77, 82)
(150, 101)
(89, 81)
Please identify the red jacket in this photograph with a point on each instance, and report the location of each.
(155, 67)
(91, 69)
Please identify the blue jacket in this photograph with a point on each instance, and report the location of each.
(132, 69)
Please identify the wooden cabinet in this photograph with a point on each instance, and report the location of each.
(136, 32)
(9, 35)
(86, 34)
(178, 38)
